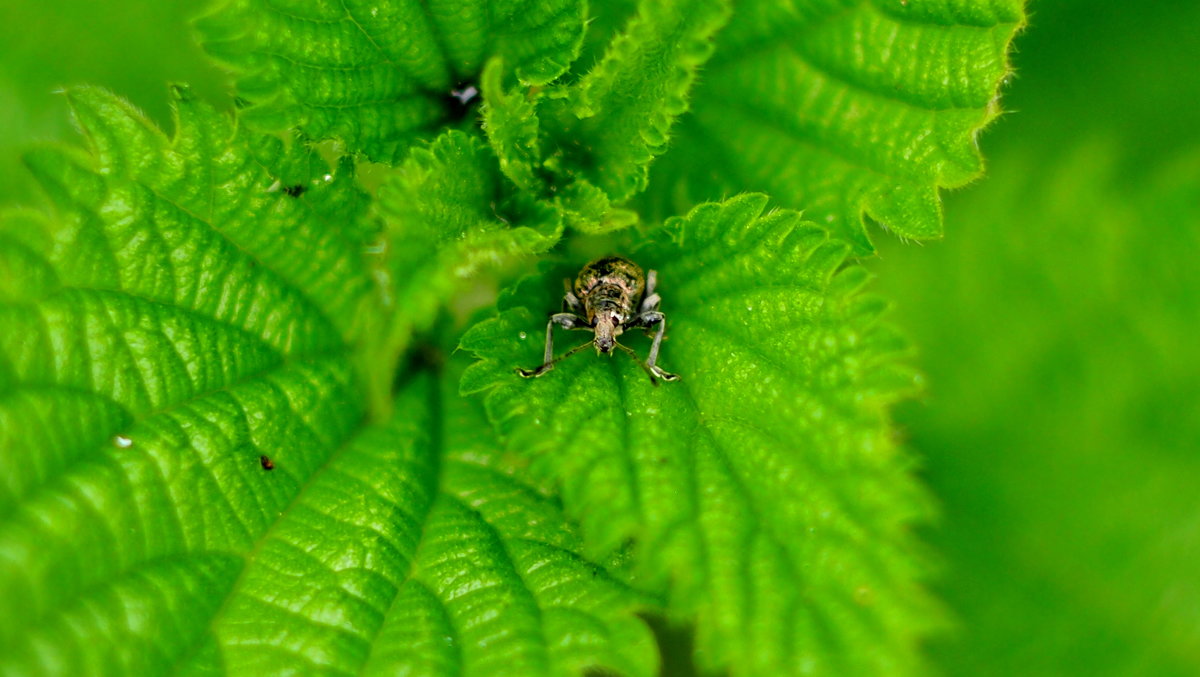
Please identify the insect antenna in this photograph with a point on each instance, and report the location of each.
(530, 373)
(645, 367)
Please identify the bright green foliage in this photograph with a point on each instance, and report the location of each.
(763, 490)
(1058, 325)
(220, 188)
(379, 75)
(415, 551)
(129, 48)
(182, 321)
(843, 108)
(1084, 515)
(510, 120)
(599, 134)
(448, 217)
(619, 116)
(226, 445)
(164, 331)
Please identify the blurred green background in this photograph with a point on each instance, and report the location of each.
(1059, 322)
(1059, 325)
(133, 48)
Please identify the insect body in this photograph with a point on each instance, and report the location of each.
(610, 295)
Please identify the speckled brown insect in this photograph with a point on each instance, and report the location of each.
(266, 462)
(604, 300)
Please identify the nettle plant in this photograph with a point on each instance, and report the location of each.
(258, 403)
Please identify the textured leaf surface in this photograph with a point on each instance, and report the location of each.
(763, 489)
(538, 166)
(448, 212)
(843, 108)
(511, 122)
(619, 116)
(380, 75)
(448, 216)
(586, 147)
(187, 484)
(164, 332)
(415, 551)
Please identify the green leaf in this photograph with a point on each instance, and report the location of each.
(763, 489)
(381, 75)
(187, 483)
(228, 189)
(416, 551)
(612, 123)
(511, 122)
(844, 109)
(599, 134)
(448, 215)
(175, 321)
(1071, 524)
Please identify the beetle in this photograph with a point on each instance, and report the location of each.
(610, 295)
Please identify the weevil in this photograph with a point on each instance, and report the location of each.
(610, 295)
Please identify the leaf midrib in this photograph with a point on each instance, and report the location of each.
(253, 553)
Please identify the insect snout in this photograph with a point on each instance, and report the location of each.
(605, 344)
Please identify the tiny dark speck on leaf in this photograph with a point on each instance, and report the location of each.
(267, 463)
(295, 191)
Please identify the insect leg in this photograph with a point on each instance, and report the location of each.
(650, 303)
(651, 300)
(649, 370)
(650, 319)
(566, 321)
(572, 303)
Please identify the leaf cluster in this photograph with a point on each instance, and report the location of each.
(233, 435)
